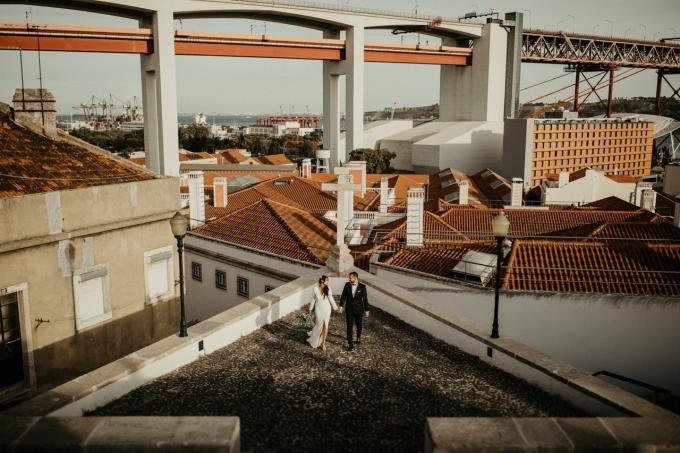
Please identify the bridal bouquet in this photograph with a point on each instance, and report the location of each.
(306, 320)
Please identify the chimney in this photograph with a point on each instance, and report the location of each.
(463, 192)
(306, 169)
(649, 200)
(35, 107)
(357, 168)
(639, 189)
(196, 199)
(220, 197)
(517, 192)
(564, 179)
(414, 216)
(384, 194)
(676, 218)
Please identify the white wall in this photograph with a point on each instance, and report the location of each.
(376, 131)
(466, 146)
(637, 337)
(204, 299)
(592, 187)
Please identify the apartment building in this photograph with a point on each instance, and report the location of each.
(535, 148)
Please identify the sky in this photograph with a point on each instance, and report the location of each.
(227, 85)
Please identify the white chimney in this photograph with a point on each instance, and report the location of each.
(649, 200)
(463, 192)
(384, 194)
(639, 189)
(676, 218)
(220, 197)
(306, 169)
(564, 179)
(517, 192)
(358, 169)
(414, 216)
(196, 199)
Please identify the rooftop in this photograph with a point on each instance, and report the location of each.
(292, 398)
(33, 163)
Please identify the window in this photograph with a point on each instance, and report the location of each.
(243, 286)
(196, 271)
(159, 274)
(220, 279)
(268, 288)
(91, 296)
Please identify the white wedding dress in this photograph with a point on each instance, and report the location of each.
(322, 307)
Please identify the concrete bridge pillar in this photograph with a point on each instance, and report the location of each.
(331, 105)
(476, 92)
(159, 95)
(354, 60)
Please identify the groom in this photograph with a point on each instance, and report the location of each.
(354, 302)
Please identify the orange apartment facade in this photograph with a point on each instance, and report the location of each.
(536, 148)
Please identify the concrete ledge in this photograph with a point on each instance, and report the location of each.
(551, 434)
(590, 393)
(124, 434)
(117, 378)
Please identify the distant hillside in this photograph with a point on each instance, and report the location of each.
(428, 112)
(628, 105)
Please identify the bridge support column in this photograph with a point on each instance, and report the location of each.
(354, 60)
(477, 92)
(331, 106)
(159, 95)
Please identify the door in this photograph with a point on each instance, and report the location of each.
(11, 356)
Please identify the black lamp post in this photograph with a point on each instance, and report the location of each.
(500, 226)
(178, 224)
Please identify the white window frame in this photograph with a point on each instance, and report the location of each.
(153, 256)
(225, 280)
(101, 270)
(200, 267)
(238, 286)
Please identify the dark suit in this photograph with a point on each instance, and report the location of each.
(355, 306)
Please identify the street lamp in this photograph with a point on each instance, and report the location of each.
(595, 27)
(558, 24)
(178, 224)
(500, 226)
(625, 33)
(573, 22)
(611, 27)
(644, 27)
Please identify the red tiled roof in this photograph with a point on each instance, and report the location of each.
(274, 159)
(494, 186)
(231, 156)
(594, 267)
(33, 163)
(436, 261)
(536, 222)
(611, 204)
(290, 232)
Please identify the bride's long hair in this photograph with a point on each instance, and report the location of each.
(324, 290)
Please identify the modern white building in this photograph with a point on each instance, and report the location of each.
(430, 147)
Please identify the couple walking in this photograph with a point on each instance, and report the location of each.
(353, 302)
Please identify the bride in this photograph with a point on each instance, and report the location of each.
(321, 306)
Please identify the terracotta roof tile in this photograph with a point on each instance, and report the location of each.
(290, 232)
(536, 222)
(231, 156)
(33, 163)
(594, 267)
(275, 159)
(436, 261)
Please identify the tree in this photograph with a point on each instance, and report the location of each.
(377, 160)
(195, 137)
